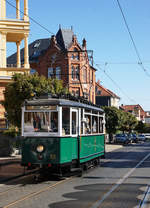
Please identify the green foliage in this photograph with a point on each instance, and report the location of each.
(118, 120)
(12, 131)
(127, 122)
(25, 87)
(112, 119)
(142, 127)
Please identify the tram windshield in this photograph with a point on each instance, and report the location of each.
(41, 122)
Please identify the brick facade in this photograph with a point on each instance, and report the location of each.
(71, 65)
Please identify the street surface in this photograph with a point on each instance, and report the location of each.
(121, 181)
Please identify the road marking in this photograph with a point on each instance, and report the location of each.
(119, 182)
(146, 199)
(35, 193)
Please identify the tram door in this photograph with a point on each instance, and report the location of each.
(74, 121)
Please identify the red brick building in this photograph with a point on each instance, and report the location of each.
(63, 57)
(136, 110)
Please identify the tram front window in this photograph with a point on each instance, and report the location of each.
(41, 122)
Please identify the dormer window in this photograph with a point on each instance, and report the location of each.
(36, 45)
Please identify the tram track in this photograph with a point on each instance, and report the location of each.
(40, 190)
(34, 193)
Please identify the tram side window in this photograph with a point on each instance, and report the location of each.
(94, 124)
(88, 124)
(74, 123)
(65, 121)
(100, 125)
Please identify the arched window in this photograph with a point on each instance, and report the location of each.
(75, 49)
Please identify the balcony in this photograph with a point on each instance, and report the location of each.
(15, 29)
(7, 73)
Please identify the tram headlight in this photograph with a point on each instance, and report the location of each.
(40, 148)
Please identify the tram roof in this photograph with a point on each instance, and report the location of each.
(61, 102)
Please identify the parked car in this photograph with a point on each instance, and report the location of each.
(147, 135)
(141, 137)
(122, 138)
(133, 138)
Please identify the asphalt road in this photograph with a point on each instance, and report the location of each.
(121, 181)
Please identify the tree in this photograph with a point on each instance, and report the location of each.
(112, 121)
(117, 119)
(141, 127)
(25, 87)
(127, 122)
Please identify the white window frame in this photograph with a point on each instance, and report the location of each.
(42, 134)
(77, 122)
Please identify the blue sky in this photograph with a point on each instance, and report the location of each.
(100, 22)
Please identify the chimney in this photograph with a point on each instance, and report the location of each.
(84, 44)
(53, 40)
(74, 39)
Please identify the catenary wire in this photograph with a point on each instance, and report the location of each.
(114, 82)
(140, 61)
(132, 40)
(33, 20)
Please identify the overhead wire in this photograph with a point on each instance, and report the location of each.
(132, 40)
(138, 55)
(114, 82)
(123, 63)
(33, 20)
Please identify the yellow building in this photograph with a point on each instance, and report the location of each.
(12, 30)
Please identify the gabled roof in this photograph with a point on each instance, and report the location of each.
(64, 39)
(36, 48)
(93, 68)
(132, 107)
(105, 91)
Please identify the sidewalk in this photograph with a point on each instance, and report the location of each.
(112, 147)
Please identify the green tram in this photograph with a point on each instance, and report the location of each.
(62, 135)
